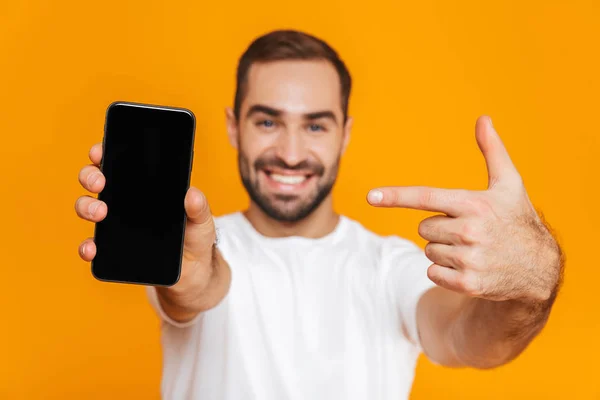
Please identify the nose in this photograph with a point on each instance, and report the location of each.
(291, 147)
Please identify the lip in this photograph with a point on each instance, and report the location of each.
(279, 187)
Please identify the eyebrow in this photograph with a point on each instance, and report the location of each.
(321, 114)
(273, 112)
(259, 108)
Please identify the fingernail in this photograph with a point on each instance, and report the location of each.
(375, 196)
(491, 124)
(83, 250)
(93, 207)
(93, 178)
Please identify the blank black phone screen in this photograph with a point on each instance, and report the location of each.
(147, 161)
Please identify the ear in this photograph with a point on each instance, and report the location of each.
(232, 127)
(347, 129)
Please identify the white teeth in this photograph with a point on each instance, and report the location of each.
(288, 179)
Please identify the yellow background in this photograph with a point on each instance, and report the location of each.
(423, 71)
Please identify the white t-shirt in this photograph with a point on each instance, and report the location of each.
(303, 319)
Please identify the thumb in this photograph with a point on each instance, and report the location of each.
(200, 229)
(501, 169)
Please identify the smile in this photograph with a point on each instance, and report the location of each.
(288, 179)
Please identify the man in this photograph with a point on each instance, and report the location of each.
(294, 301)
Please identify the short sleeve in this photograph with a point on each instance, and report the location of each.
(153, 299)
(406, 280)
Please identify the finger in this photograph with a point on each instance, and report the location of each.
(90, 209)
(438, 229)
(448, 230)
(453, 202)
(446, 255)
(200, 230)
(92, 179)
(445, 277)
(96, 154)
(501, 169)
(87, 249)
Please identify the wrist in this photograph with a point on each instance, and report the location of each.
(550, 266)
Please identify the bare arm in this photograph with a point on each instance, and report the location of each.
(457, 330)
(205, 275)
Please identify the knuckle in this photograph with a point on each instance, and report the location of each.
(478, 205)
(466, 258)
(469, 232)
(461, 197)
(391, 197)
(460, 284)
(425, 198)
(460, 260)
(472, 285)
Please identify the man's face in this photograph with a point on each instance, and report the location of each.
(290, 136)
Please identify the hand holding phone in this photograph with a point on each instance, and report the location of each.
(151, 228)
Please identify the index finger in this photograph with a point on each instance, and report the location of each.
(452, 202)
(96, 154)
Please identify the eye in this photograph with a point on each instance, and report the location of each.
(315, 128)
(267, 123)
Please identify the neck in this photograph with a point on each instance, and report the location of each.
(319, 223)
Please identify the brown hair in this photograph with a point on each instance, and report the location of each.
(289, 45)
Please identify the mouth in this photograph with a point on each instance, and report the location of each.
(288, 181)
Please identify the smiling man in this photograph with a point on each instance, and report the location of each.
(294, 301)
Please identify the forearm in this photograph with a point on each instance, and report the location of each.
(486, 334)
(200, 288)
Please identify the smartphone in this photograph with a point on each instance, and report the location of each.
(147, 155)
